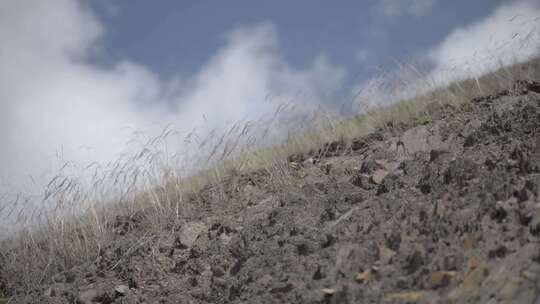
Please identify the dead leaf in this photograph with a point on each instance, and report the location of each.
(328, 291)
(362, 277)
(405, 296)
(469, 242)
(441, 278)
(472, 263)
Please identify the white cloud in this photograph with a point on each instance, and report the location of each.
(510, 34)
(417, 8)
(53, 101)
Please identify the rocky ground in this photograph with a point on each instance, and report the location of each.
(442, 211)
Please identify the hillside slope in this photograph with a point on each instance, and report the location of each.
(443, 210)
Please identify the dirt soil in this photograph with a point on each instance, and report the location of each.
(442, 212)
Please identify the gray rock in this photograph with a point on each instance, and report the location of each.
(88, 296)
(420, 139)
(261, 210)
(191, 231)
(378, 176)
(121, 289)
(50, 292)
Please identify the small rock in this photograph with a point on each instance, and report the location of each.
(87, 296)
(265, 280)
(50, 292)
(309, 161)
(191, 232)
(362, 277)
(225, 239)
(385, 254)
(121, 289)
(421, 139)
(378, 176)
(389, 166)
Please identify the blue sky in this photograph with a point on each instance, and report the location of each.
(78, 78)
(178, 37)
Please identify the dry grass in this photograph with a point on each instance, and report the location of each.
(78, 215)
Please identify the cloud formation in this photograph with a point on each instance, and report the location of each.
(509, 35)
(56, 105)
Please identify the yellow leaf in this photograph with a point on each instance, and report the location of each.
(362, 277)
(406, 296)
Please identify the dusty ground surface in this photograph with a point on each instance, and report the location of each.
(443, 212)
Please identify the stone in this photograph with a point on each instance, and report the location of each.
(266, 280)
(121, 289)
(50, 292)
(388, 166)
(421, 139)
(378, 176)
(385, 254)
(225, 239)
(309, 161)
(261, 210)
(190, 232)
(88, 296)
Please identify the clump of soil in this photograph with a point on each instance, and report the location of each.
(443, 212)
